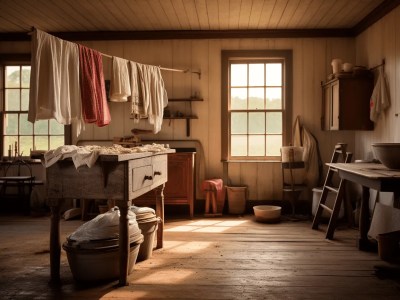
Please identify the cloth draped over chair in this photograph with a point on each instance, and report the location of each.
(302, 137)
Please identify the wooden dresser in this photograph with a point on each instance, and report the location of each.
(180, 187)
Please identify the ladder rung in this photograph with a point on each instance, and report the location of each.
(326, 207)
(335, 190)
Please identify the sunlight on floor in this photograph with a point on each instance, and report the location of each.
(206, 226)
(164, 276)
(187, 247)
(124, 294)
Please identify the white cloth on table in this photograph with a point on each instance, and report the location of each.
(54, 83)
(86, 155)
(379, 98)
(120, 87)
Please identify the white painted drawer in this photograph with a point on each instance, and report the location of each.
(142, 177)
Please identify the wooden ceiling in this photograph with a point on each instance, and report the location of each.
(181, 18)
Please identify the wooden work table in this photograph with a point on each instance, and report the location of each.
(120, 177)
(369, 175)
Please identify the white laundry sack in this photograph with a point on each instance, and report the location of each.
(104, 226)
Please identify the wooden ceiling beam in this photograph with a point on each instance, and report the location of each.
(379, 12)
(185, 34)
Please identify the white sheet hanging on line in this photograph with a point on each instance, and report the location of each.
(152, 94)
(54, 83)
(120, 86)
(137, 105)
(380, 97)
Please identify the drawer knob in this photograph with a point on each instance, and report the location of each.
(146, 177)
(157, 173)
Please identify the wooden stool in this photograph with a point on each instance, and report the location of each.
(215, 202)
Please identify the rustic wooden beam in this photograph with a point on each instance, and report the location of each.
(186, 34)
(379, 12)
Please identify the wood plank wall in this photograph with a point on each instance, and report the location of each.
(382, 41)
(311, 65)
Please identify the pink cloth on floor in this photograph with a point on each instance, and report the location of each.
(218, 186)
(93, 93)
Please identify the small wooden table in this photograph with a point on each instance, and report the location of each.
(369, 175)
(21, 183)
(120, 177)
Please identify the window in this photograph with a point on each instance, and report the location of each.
(256, 106)
(16, 130)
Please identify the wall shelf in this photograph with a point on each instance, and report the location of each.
(184, 117)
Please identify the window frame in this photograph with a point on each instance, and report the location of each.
(17, 59)
(249, 56)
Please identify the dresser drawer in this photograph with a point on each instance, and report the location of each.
(141, 177)
(160, 169)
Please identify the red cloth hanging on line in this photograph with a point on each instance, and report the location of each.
(93, 93)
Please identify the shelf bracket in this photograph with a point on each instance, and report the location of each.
(187, 127)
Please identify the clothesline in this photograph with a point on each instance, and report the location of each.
(166, 69)
(162, 68)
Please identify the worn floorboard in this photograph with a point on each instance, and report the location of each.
(222, 258)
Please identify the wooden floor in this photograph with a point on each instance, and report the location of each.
(222, 258)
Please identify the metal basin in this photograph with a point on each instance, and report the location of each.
(388, 154)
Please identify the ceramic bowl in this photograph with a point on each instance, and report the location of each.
(388, 154)
(267, 213)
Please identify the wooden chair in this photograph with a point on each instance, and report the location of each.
(18, 174)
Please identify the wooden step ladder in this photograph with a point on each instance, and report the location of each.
(339, 151)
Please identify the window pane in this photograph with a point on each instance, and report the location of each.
(274, 122)
(41, 143)
(274, 98)
(273, 75)
(56, 128)
(56, 141)
(12, 78)
(238, 123)
(26, 75)
(11, 124)
(239, 98)
(239, 75)
(256, 145)
(256, 74)
(42, 127)
(256, 98)
(274, 145)
(239, 145)
(9, 141)
(257, 122)
(12, 100)
(26, 144)
(25, 127)
(24, 99)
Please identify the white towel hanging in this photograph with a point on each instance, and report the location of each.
(380, 97)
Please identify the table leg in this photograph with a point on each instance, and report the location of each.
(160, 213)
(55, 244)
(124, 247)
(363, 242)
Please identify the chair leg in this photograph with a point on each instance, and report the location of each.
(207, 208)
(214, 202)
